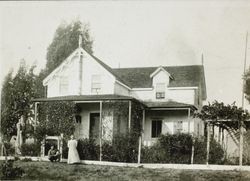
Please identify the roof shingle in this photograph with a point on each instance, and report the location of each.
(183, 76)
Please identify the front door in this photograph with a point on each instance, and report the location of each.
(94, 125)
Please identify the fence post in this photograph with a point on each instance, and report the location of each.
(139, 150)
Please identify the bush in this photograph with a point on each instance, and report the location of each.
(33, 149)
(153, 154)
(124, 148)
(26, 160)
(88, 149)
(10, 150)
(178, 149)
(9, 171)
(216, 152)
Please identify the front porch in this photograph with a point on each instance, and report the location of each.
(101, 117)
(169, 118)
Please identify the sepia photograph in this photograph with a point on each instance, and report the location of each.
(125, 90)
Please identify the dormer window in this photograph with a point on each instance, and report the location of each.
(96, 84)
(160, 90)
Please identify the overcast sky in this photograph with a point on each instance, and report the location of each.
(141, 33)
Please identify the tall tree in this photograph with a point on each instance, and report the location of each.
(65, 41)
(17, 93)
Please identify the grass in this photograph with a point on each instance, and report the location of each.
(62, 171)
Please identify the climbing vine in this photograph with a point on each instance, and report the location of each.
(55, 118)
(224, 115)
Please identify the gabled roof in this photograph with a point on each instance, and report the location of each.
(183, 76)
(74, 53)
(108, 68)
(160, 69)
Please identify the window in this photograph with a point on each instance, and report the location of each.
(96, 84)
(156, 128)
(160, 91)
(64, 84)
(178, 127)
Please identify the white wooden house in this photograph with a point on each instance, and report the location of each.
(169, 95)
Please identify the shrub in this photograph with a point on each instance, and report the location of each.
(124, 148)
(9, 171)
(154, 154)
(32, 149)
(107, 151)
(10, 150)
(88, 149)
(26, 160)
(177, 148)
(216, 152)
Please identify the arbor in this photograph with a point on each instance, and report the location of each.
(65, 41)
(226, 116)
(17, 92)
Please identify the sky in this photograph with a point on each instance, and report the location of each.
(138, 34)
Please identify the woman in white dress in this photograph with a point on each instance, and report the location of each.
(73, 156)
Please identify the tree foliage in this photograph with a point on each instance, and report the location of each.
(17, 93)
(224, 115)
(65, 41)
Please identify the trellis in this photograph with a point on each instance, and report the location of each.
(226, 117)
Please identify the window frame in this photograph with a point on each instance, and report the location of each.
(178, 127)
(96, 85)
(155, 130)
(160, 94)
(63, 85)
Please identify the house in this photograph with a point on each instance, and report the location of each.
(168, 95)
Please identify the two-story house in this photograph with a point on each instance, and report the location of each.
(169, 95)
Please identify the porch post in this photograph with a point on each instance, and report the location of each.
(208, 142)
(141, 136)
(139, 150)
(143, 122)
(188, 120)
(129, 116)
(100, 132)
(192, 149)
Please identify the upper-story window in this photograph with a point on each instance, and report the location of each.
(160, 90)
(178, 127)
(64, 85)
(96, 84)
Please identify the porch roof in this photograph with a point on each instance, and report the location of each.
(169, 104)
(103, 97)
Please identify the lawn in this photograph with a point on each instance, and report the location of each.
(62, 171)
